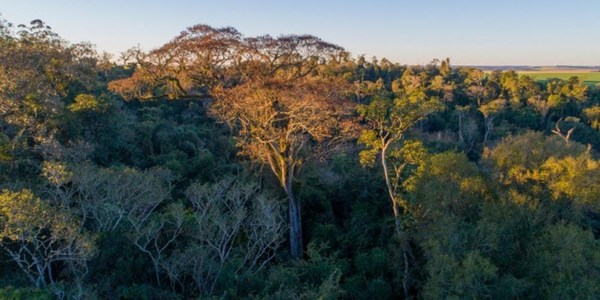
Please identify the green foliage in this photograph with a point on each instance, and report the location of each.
(593, 115)
(85, 102)
(11, 293)
(448, 183)
(136, 192)
(316, 278)
(39, 237)
(517, 160)
(565, 263)
(573, 177)
(145, 292)
(589, 78)
(470, 277)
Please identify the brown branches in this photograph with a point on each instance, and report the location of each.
(203, 57)
(271, 91)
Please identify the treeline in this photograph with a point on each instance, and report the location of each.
(226, 166)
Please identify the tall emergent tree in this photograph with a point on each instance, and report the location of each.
(285, 111)
(388, 121)
(271, 91)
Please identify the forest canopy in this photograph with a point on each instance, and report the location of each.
(231, 166)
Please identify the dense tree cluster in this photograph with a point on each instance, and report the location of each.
(220, 165)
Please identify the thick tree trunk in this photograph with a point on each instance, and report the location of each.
(296, 247)
(284, 170)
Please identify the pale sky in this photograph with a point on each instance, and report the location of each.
(476, 32)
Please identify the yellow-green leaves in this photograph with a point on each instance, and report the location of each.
(492, 107)
(446, 172)
(517, 160)
(390, 119)
(22, 215)
(373, 146)
(540, 167)
(5, 149)
(56, 173)
(85, 102)
(388, 122)
(573, 177)
(412, 152)
(38, 237)
(377, 111)
(593, 115)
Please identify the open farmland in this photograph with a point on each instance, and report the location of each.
(590, 75)
(590, 78)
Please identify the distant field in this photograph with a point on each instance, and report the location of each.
(588, 74)
(591, 78)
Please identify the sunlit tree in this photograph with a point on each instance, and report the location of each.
(286, 113)
(42, 239)
(389, 120)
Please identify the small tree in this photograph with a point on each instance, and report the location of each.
(156, 236)
(489, 111)
(111, 196)
(236, 226)
(476, 88)
(40, 238)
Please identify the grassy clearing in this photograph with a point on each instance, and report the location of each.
(591, 78)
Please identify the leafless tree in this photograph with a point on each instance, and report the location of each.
(233, 220)
(156, 236)
(110, 196)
